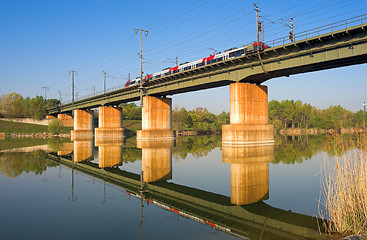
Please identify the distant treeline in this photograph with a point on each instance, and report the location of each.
(199, 119)
(295, 114)
(13, 105)
(283, 115)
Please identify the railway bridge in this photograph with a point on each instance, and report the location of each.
(331, 46)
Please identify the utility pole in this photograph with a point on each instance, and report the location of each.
(105, 76)
(141, 60)
(291, 33)
(128, 77)
(258, 26)
(94, 90)
(258, 30)
(60, 97)
(73, 73)
(45, 91)
(173, 60)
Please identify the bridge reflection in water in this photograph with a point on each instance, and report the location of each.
(243, 214)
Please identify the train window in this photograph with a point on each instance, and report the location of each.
(187, 68)
(158, 76)
(219, 59)
(236, 53)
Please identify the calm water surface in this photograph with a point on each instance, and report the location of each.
(191, 189)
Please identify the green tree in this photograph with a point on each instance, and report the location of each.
(360, 118)
(26, 107)
(37, 107)
(51, 103)
(55, 126)
(10, 105)
(131, 111)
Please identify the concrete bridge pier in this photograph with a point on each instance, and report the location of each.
(66, 120)
(249, 172)
(83, 123)
(156, 119)
(110, 123)
(50, 118)
(248, 116)
(156, 160)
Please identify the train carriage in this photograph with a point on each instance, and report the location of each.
(227, 54)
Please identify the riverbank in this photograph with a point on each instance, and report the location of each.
(24, 129)
(316, 131)
(20, 128)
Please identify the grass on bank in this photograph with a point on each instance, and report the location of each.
(344, 193)
(16, 127)
(131, 126)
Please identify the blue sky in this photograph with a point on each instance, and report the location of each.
(41, 40)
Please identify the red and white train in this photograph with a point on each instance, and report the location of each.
(227, 54)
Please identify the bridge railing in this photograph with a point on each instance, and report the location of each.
(329, 28)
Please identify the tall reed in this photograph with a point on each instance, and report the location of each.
(344, 186)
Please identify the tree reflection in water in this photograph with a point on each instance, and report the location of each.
(287, 150)
(13, 164)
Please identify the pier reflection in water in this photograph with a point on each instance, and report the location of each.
(66, 149)
(249, 172)
(156, 160)
(83, 148)
(110, 152)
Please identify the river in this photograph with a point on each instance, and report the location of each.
(192, 188)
